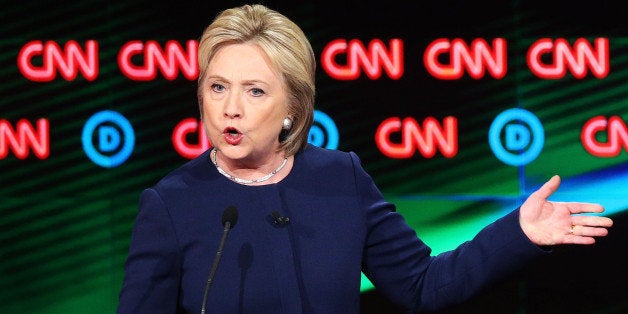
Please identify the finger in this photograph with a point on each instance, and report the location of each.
(578, 208)
(586, 231)
(592, 221)
(548, 188)
(573, 239)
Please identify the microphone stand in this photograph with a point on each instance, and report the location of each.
(215, 266)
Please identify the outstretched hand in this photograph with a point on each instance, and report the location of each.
(552, 223)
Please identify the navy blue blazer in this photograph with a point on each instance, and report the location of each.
(340, 225)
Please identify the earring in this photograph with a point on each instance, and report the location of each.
(287, 124)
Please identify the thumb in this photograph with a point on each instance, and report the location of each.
(548, 188)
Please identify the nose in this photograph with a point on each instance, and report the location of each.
(233, 107)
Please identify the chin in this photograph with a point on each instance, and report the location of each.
(233, 152)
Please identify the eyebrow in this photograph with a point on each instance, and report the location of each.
(245, 82)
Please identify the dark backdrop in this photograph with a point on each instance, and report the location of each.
(65, 220)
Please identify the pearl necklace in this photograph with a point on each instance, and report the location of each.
(243, 181)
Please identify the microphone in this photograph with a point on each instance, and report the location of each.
(281, 221)
(229, 219)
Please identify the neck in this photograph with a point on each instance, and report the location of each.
(230, 175)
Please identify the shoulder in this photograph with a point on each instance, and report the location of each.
(328, 166)
(322, 157)
(186, 175)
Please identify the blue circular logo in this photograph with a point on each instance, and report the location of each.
(108, 138)
(523, 137)
(323, 132)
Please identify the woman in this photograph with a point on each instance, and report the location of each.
(310, 220)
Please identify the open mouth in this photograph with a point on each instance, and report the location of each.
(232, 135)
(233, 132)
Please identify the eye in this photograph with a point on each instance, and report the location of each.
(256, 92)
(217, 88)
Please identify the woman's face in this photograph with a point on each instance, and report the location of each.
(244, 103)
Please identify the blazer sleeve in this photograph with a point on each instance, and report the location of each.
(402, 268)
(152, 268)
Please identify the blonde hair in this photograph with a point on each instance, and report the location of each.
(286, 46)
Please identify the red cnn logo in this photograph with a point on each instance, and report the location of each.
(68, 61)
(476, 59)
(170, 60)
(25, 136)
(426, 139)
(180, 142)
(615, 131)
(372, 59)
(577, 59)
